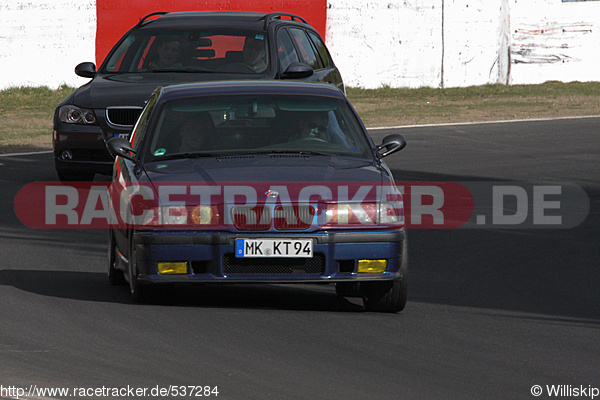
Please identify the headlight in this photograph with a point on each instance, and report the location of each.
(390, 213)
(189, 215)
(368, 213)
(71, 114)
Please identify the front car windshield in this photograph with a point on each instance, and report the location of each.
(227, 51)
(257, 124)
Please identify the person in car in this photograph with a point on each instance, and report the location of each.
(254, 53)
(312, 125)
(169, 50)
(194, 133)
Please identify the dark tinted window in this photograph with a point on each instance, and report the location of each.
(285, 50)
(320, 46)
(307, 53)
(219, 50)
(257, 124)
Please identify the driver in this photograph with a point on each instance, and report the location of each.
(194, 133)
(169, 50)
(254, 52)
(312, 125)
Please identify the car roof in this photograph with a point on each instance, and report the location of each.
(217, 18)
(249, 87)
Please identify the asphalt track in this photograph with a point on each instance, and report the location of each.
(491, 313)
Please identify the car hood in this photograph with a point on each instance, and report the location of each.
(120, 90)
(267, 168)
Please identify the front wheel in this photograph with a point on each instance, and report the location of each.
(388, 296)
(139, 293)
(115, 276)
(385, 296)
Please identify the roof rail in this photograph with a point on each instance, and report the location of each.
(143, 19)
(277, 15)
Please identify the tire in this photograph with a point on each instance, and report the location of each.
(388, 296)
(116, 277)
(385, 296)
(140, 293)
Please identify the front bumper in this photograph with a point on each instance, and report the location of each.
(82, 148)
(210, 257)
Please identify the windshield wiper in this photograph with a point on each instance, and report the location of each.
(299, 152)
(185, 70)
(184, 155)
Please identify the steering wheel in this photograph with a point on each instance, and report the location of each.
(312, 139)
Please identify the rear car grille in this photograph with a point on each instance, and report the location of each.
(267, 266)
(123, 116)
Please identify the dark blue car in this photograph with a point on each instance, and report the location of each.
(256, 181)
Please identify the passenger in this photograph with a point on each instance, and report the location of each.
(255, 52)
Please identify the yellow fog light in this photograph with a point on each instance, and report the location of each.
(371, 266)
(172, 268)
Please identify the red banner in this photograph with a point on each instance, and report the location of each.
(115, 17)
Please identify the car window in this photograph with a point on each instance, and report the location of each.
(221, 50)
(307, 53)
(321, 49)
(125, 50)
(228, 125)
(285, 50)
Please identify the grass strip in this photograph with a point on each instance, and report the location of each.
(26, 112)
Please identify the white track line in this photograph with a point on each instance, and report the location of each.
(509, 121)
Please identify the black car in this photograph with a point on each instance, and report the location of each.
(270, 182)
(169, 48)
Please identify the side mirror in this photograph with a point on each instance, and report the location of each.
(86, 70)
(120, 147)
(297, 70)
(391, 144)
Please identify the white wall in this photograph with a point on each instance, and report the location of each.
(386, 42)
(476, 37)
(42, 41)
(552, 40)
(414, 43)
(401, 43)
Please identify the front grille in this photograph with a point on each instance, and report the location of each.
(123, 116)
(269, 266)
(293, 217)
(288, 217)
(251, 218)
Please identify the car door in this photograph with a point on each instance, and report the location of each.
(125, 184)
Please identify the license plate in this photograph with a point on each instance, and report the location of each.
(298, 248)
(123, 135)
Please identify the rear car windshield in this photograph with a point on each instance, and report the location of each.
(227, 125)
(234, 51)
